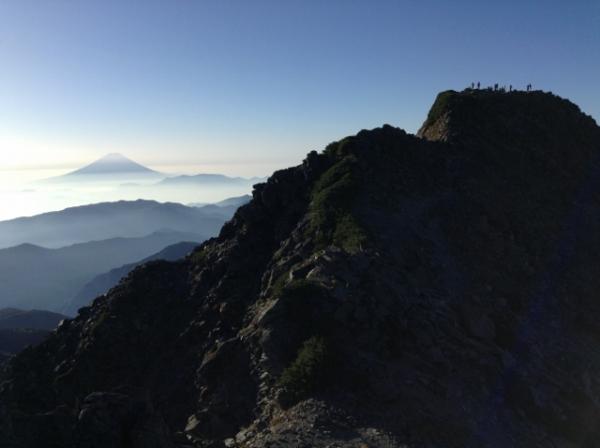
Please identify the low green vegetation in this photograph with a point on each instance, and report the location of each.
(199, 256)
(311, 368)
(333, 199)
(307, 373)
(348, 233)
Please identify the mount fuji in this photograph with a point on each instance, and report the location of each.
(113, 163)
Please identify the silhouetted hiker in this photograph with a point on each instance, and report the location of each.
(510, 88)
(478, 85)
(472, 85)
(496, 86)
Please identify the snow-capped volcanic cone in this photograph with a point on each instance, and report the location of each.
(111, 167)
(112, 164)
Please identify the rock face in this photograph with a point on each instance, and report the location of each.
(392, 291)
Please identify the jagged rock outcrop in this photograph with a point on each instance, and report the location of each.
(392, 291)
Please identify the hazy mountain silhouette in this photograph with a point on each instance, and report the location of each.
(112, 169)
(209, 180)
(13, 340)
(112, 164)
(35, 277)
(230, 202)
(224, 209)
(235, 202)
(102, 283)
(13, 318)
(110, 220)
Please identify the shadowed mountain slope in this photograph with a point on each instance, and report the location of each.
(392, 291)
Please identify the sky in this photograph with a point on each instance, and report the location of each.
(244, 87)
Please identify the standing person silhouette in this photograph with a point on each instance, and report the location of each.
(478, 85)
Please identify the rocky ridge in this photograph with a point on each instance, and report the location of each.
(392, 291)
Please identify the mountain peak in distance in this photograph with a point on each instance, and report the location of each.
(113, 163)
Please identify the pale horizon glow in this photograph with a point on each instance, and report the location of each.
(264, 82)
(24, 155)
(22, 195)
(241, 168)
(245, 88)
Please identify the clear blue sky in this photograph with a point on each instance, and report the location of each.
(253, 84)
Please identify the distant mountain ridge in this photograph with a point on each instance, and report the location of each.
(14, 318)
(108, 220)
(35, 277)
(20, 328)
(103, 282)
(236, 202)
(13, 340)
(209, 179)
(229, 202)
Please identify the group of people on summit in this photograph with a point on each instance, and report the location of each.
(497, 88)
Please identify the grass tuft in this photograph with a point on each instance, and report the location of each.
(308, 372)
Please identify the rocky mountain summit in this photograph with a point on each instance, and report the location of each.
(394, 290)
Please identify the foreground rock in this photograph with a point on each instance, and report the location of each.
(392, 291)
